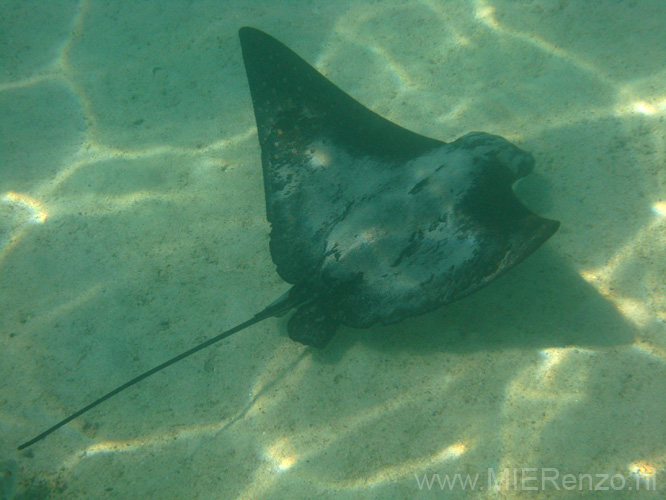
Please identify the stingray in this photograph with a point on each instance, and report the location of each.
(370, 222)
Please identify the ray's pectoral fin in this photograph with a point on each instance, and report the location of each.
(312, 325)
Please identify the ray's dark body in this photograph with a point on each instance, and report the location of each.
(370, 221)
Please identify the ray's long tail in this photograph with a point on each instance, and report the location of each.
(281, 306)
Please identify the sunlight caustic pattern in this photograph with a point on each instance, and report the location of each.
(629, 102)
(91, 152)
(557, 381)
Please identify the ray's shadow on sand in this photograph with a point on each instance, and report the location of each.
(540, 304)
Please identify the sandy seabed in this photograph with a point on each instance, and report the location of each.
(132, 226)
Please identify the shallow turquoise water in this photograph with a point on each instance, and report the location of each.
(132, 226)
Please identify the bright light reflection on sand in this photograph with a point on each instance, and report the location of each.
(646, 473)
(36, 210)
(279, 457)
(659, 208)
